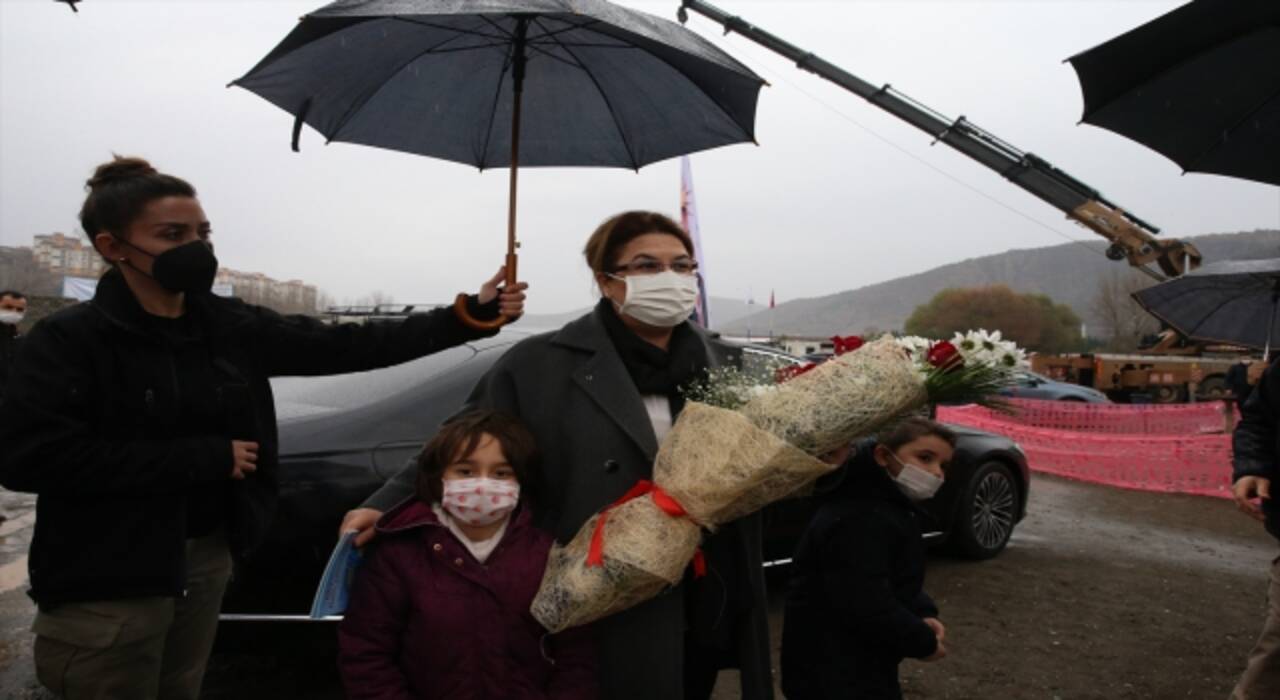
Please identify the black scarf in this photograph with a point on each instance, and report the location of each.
(656, 371)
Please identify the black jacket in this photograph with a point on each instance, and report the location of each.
(10, 341)
(96, 421)
(856, 605)
(1256, 442)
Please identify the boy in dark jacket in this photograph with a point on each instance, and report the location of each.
(857, 606)
(441, 607)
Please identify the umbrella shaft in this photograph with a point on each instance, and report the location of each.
(517, 82)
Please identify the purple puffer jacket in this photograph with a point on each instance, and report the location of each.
(426, 620)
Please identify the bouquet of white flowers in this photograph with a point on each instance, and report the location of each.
(741, 443)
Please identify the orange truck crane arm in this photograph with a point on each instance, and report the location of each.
(1131, 238)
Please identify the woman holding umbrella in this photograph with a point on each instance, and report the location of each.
(145, 422)
(599, 395)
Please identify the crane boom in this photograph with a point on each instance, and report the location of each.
(1131, 238)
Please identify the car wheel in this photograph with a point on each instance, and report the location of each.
(1168, 394)
(987, 512)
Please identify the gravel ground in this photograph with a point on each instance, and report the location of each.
(1103, 593)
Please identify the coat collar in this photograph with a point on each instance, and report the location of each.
(114, 300)
(604, 378)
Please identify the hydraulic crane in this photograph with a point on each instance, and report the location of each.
(1131, 238)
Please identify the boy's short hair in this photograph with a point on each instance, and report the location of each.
(461, 435)
(915, 428)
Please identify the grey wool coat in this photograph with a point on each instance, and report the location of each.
(596, 441)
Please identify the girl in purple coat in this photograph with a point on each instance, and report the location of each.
(440, 607)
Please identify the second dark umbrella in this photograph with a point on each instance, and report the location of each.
(1200, 85)
(1233, 302)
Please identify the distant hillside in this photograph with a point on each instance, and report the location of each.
(1068, 273)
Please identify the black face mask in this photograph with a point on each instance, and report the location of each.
(190, 267)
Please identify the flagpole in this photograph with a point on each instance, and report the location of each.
(689, 220)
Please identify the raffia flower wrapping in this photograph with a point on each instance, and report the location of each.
(717, 465)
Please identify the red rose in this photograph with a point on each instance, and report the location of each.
(943, 354)
(847, 343)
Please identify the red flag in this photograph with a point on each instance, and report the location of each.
(771, 298)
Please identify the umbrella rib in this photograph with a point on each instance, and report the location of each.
(502, 36)
(360, 104)
(493, 113)
(554, 57)
(607, 102)
(746, 130)
(1223, 136)
(552, 33)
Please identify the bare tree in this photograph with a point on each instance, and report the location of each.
(1125, 321)
(380, 298)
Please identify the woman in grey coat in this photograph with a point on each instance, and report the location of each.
(599, 395)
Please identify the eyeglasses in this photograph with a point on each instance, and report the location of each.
(653, 267)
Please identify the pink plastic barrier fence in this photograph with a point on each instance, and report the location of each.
(1135, 419)
(1173, 463)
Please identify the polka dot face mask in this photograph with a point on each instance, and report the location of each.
(479, 502)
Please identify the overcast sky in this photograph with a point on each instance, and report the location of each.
(823, 204)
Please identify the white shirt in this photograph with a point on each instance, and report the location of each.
(659, 410)
(480, 550)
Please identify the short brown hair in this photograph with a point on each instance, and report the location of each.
(609, 237)
(461, 435)
(915, 428)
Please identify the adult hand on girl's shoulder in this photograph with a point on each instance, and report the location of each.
(510, 298)
(361, 520)
(938, 654)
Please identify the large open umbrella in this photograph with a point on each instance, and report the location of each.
(1200, 84)
(1232, 302)
(505, 83)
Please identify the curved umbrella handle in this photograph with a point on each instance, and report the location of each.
(460, 303)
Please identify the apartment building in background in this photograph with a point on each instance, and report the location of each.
(70, 256)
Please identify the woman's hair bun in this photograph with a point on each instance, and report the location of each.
(120, 168)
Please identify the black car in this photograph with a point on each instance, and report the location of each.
(341, 437)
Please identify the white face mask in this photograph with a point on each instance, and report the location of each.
(11, 318)
(479, 502)
(663, 300)
(916, 483)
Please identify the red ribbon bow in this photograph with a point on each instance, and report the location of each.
(665, 503)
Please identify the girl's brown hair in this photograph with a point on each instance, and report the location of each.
(460, 437)
(609, 237)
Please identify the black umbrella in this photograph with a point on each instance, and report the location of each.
(1233, 302)
(504, 83)
(1201, 85)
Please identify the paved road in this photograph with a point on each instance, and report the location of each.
(1102, 594)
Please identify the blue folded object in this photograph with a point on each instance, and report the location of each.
(335, 585)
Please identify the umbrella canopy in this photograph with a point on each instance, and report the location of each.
(603, 85)
(1201, 85)
(1232, 302)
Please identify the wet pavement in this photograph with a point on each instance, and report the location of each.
(1103, 593)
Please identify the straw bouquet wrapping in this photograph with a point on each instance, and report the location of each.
(720, 463)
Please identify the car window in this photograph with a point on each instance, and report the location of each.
(297, 397)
